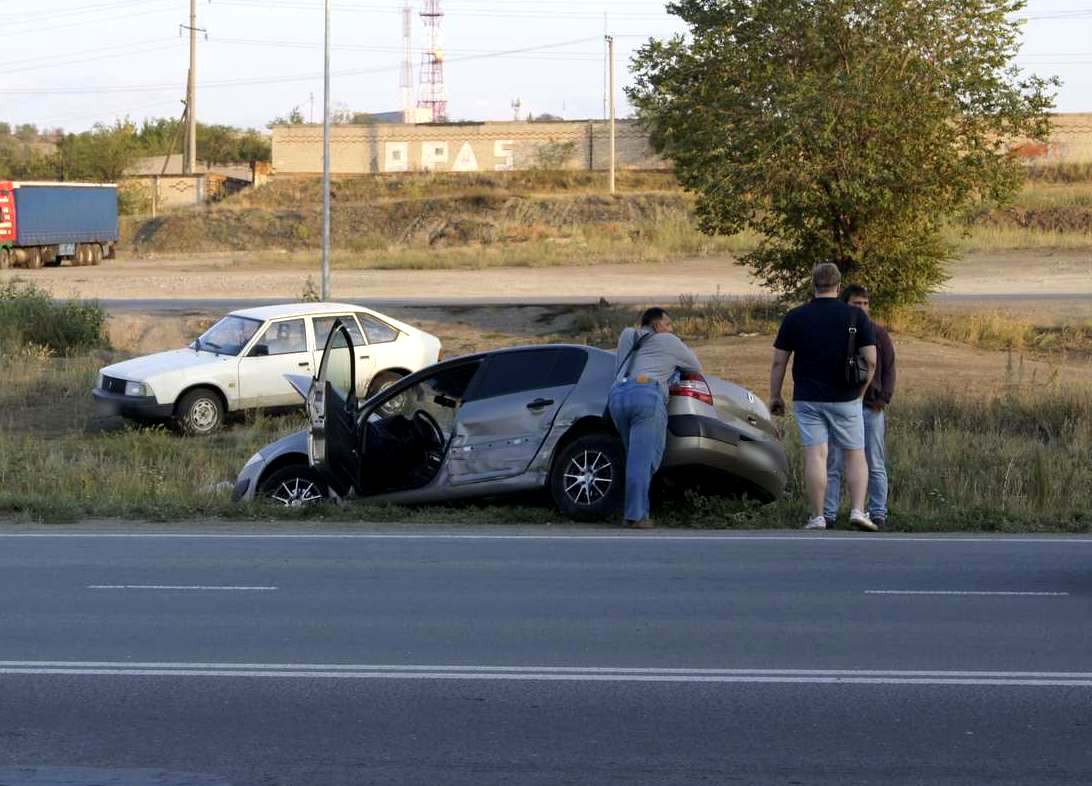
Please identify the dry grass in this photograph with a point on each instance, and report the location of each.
(995, 330)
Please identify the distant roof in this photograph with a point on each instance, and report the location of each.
(295, 310)
(153, 165)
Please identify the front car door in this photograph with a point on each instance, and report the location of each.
(281, 349)
(332, 407)
(510, 410)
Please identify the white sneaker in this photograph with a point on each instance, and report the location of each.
(816, 523)
(860, 520)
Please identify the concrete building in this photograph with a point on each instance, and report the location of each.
(461, 147)
(498, 146)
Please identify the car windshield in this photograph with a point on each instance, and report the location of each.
(229, 335)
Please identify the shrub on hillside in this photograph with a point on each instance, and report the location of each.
(29, 316)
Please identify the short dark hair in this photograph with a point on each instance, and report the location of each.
(854, 290)
(826, 276)
(654, 314)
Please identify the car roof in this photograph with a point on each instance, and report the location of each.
(297, 310)
(455, 360)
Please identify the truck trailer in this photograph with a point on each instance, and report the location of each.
(46, 223)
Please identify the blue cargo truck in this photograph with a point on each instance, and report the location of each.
(47, 223)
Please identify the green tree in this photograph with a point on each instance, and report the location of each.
(5, 129)
(101, 154)
(842, 130)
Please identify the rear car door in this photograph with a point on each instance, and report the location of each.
(281, 349)
(510, 410)
(384, 346)
(365, 364)
(334, 442)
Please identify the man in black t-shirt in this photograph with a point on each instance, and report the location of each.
(827, 407)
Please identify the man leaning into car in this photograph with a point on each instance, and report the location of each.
(648, 357)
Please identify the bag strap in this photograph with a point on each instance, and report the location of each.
(624, 366)
(852, 349)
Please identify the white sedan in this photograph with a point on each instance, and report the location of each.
(241, 363)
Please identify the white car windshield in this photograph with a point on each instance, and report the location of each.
(229, 335)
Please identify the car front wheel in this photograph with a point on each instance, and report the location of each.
(200, 413)
(295, 486)
(588, 478)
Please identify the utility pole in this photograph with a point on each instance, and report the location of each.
(610, 55)
(326, 165)
(189, 161)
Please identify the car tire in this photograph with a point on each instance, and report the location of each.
(588, 478)
(96, 254)
(5, 259)
(200, 413)
(294, 486)
(381, 382)
(34, 259)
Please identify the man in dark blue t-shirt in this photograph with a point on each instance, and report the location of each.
(827, 407)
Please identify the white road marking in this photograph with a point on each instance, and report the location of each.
(619, 537)
(178, 587)
(968, 592)
(551, 673)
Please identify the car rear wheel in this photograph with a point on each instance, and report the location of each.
(380, 383)
(5, 259)
(588, 479)
(96, 254)
(200, 413)
(295, 486)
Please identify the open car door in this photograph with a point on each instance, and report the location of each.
(332, 408)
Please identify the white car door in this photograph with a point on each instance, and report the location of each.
(386, 345)
(282, 348)
(365, 364)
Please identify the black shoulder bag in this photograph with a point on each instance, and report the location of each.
(856, 366)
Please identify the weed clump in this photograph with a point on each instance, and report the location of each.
(32, 321)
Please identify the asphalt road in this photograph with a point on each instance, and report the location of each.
(542, 657)
(172, 306)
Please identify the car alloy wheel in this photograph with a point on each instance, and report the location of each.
(588, 477)
(297, 492)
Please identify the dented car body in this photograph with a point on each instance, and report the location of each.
(511, 420)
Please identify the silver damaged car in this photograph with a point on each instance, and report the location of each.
(511, 420)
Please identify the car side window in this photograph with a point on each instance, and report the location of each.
(283, 338)
(378, 332)
(323, 326)
(530, 369)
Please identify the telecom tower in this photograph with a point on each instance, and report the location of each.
(433, 89)
(409, 111)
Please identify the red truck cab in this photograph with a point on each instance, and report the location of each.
(7, 213)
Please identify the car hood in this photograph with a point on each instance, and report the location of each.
(146, 367)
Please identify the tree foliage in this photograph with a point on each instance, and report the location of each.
(842, 130)
(106, 151)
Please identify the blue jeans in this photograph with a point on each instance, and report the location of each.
(640, 414)
(875, 429)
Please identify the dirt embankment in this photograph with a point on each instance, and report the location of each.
(442, 221)
(1044, 219)
(418, 211)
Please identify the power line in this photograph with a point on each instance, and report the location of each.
(285, 78)
(127, 51)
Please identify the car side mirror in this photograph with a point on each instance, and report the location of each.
(260, 351)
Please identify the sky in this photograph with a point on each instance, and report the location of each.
(74, 63)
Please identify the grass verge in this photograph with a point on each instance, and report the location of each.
(1014, 461)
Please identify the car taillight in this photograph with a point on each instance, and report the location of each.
(693, 386)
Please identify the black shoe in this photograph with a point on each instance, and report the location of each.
(880, 522)
(831, 523)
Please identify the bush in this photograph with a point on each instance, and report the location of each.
(30, 317)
